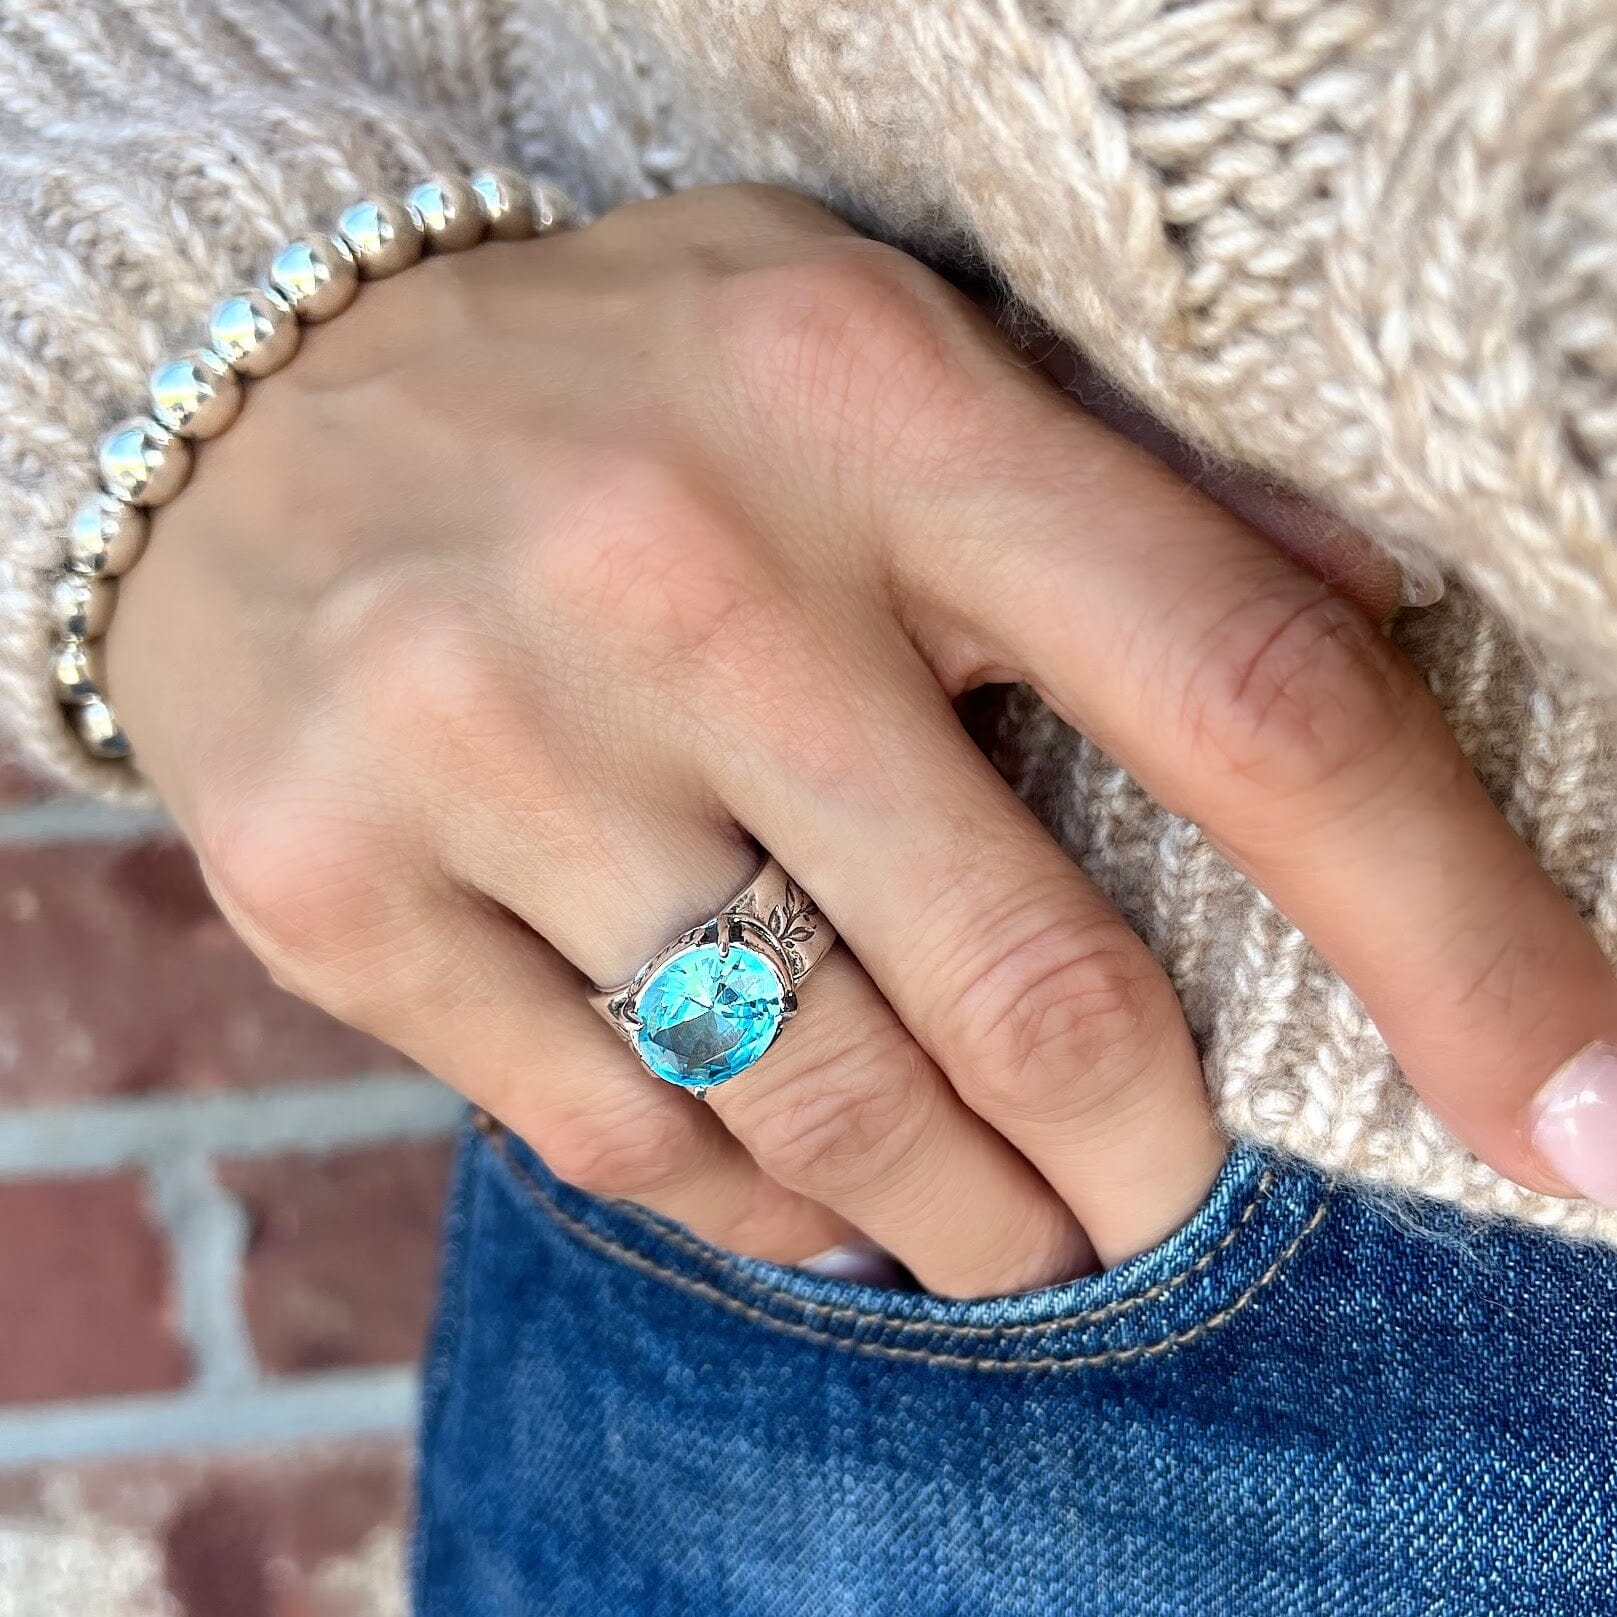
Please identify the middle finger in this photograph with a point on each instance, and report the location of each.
(1049, 1016)
(846, 1109)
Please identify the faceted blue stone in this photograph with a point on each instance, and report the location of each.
(706, 1016)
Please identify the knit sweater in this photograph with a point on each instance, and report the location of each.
(1368, 247)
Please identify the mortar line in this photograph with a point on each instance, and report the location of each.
(104, 1137)
(79, 820)
(335, 1404)
(207, 1240)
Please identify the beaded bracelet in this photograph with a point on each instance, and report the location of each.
(146, 461)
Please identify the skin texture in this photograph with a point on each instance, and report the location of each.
(478, 654)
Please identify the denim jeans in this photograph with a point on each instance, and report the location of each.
(1303, 1404)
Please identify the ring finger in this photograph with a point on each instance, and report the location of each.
(847, 1110)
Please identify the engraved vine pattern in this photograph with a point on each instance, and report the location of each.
(793, 923)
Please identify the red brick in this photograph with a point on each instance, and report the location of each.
(85, 1305)
(118, 977)
(313, 1531)
(342, 1254)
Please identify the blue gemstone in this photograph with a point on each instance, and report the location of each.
(706, 1016)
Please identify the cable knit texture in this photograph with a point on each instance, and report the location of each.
(1367, 246)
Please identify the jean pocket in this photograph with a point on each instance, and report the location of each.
(1257, 1217)
(623, 1418)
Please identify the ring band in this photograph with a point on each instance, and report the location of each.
(709, 1004)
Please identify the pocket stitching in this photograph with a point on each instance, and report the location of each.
(1159, 1348)
(836, 1312)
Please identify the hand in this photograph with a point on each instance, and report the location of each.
(551, 575)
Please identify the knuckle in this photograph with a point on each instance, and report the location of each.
(1498, 981)
(626, 1155)
(854, 288)
(855, 344)
(425, 679)
(639, 557)
(422, 655)
(1293, 692)
(1061, 1015)
(311, 878)
(1504, 978)
(841, 1119)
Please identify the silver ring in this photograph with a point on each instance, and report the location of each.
(709, 1005)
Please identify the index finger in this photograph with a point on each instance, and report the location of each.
(1253, 700)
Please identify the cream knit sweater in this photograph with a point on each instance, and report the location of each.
(1369, 246)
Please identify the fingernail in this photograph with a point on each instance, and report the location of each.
(1575, 1123)
(1423, 584)
(864, 1265)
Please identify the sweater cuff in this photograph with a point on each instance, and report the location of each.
(191, 152)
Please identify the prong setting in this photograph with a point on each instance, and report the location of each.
(712, 1002)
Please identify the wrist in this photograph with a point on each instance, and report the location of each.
(145, 462)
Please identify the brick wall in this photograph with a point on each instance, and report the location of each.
(217, 1238)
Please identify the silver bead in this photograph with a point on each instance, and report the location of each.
(384, 236)
(81, 606)
(197, 396)
(144, 463)
(106, 536)
(506, 201)
(79, 670)
(449, 213)
(100, 731)
(254, 332)
(316, 275)
(552, 209)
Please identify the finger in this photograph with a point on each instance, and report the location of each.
(845, 1109)
(851, 1111)
(1318, 540)
(1250, 698)
(468, 992)
(1049, 1016)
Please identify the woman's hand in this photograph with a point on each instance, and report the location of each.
(552, 574)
